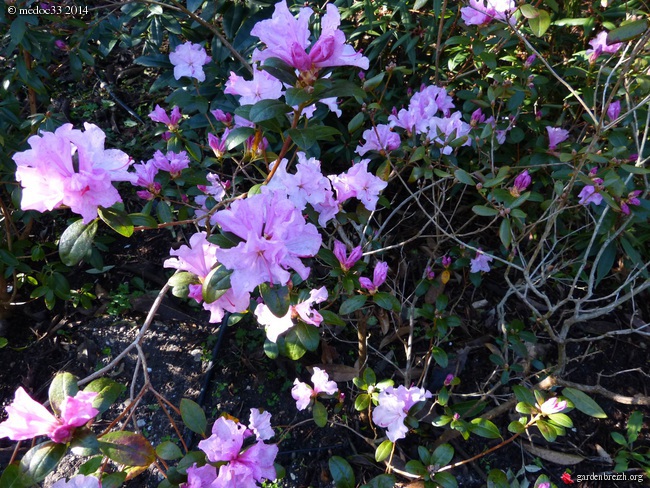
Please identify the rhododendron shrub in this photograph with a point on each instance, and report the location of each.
(348, 193)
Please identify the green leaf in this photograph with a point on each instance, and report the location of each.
(442, 455)
(387, 301)
(416, 467)
(154, 61)
(381, 481)
(464, 177)
(528, 11)
(40, 460)
(497, 479)
(627, 32)
(108, 392)
(280, 70)
(12, 478)
(618, 438)
(117, 219)
(238, 136)
(505, 233)
(164, 212)
(524, 394)
(307, 137)
(445, 480)
(524, 407)
(373, 82)
(484, 211)
(561, 419)
(143, 220)
(342, 473)
(268, 109)
(180, 283)
(440, 356)
(216, 284)
(76, 242)
(352, 304)
(114, 480)
(332, 318)
(484, 428)
(193, 416)
(383, 450)
(362, 402)
(516, 427)
(547, 430)
(356, 122)
(540, 24)
(276, 298)
(296, 96)
(605, 263)
(637, 170)
(319, 412)
(634, 426)
(63, 385)
(168, 451)
(583, 403)
(127, 448)
(309, 335)
(84, 443)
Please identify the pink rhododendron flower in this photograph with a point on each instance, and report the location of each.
(614, 110)
(159, 115)
(215, 191)
(358, 183)
(552, 405)
(423, 106)
(260, 423)
(79, 481)
(263, 86)
(480, 263)
(599, 46)
(224, 118)
(28, 418)
(302, 393)
(275, 237)
(444, 130)
(393, 408)
(480, 12)
(303, 310)
(632, 199)
(477, 117)
(287, 38)
(522, 181)
(188, 60)
(589, 194)
(342, 255)
(556, 135)
(199, 259)
(71, 167)
(241, 468)
(379, 138)
(172, 162)
(378, 278)
(61, 45)
(218, 144)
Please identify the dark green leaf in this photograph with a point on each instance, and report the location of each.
(309, 335)
(117, 219)
(342, 473)
(276, 298)
(109, 391)
(445, 480)
(484, 211)
(216, 284)
(143, 220)
(440, 356)
(40, 460)
(164, 212)
(627, 32)
(238, 135)
(583, 403)
(63, 385)
(127, 448)
(13, 478)
(505, 234)
(280, 70)
(634, 426)
(76, 242)
(442, 455)
(193, 416)
(319, 412)
(387, 301)
(114, 480)
(352, 304)
(154, 61)
(381, 481)
(484, 428)
(547, 430)
(497, 479)
(84, 443)
(268, 109)
(168, 451)
(332, 318)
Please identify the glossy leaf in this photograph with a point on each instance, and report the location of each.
(484, 428)
(117, 219)
(40, 460)
(584, 403)
(168, 451)
(109, 391)
(497, 479)
(76, 242)
(63, 385)
(352, 304)
(268, 109)
(193, 416)
(387, 301)
(216, 284)
(276, 298)
(442, 455)
(127, 448)
(342, 473)
(319, 413)
(309, 335)
(628, 31)
(383, 450)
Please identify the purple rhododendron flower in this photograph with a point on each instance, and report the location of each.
(61, 45)
(477, 117)
(260, 423)
(303, 310)
(614, 110)
(380, 139)
(599, 46)
(188, 60)
(480, 263)
(173, 163)
(552, 405)
(481, 12)
(522, 181)
(588, 195)
(556, 135)
(71, 167)
(302, 393)
(79, 481)
(241, 468)
(341, 254)
(263, 86)
(218, 144)
(287, 38)
(199, 259)
(394, 404)
(378, 278)
(28, 418)
(275, 237)
(145, 173)
(444, 130)
(358, 183)
(159, 115)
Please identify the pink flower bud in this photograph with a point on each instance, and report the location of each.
(446, 261)
(614, 110)
(530, 60)
(449, 379)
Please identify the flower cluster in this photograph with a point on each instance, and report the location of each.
(71, 168)
(237, 466)
(29, 419)
(482, 12)
(481, 262)
(394, 406)
(188, 60)
(303, 394)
